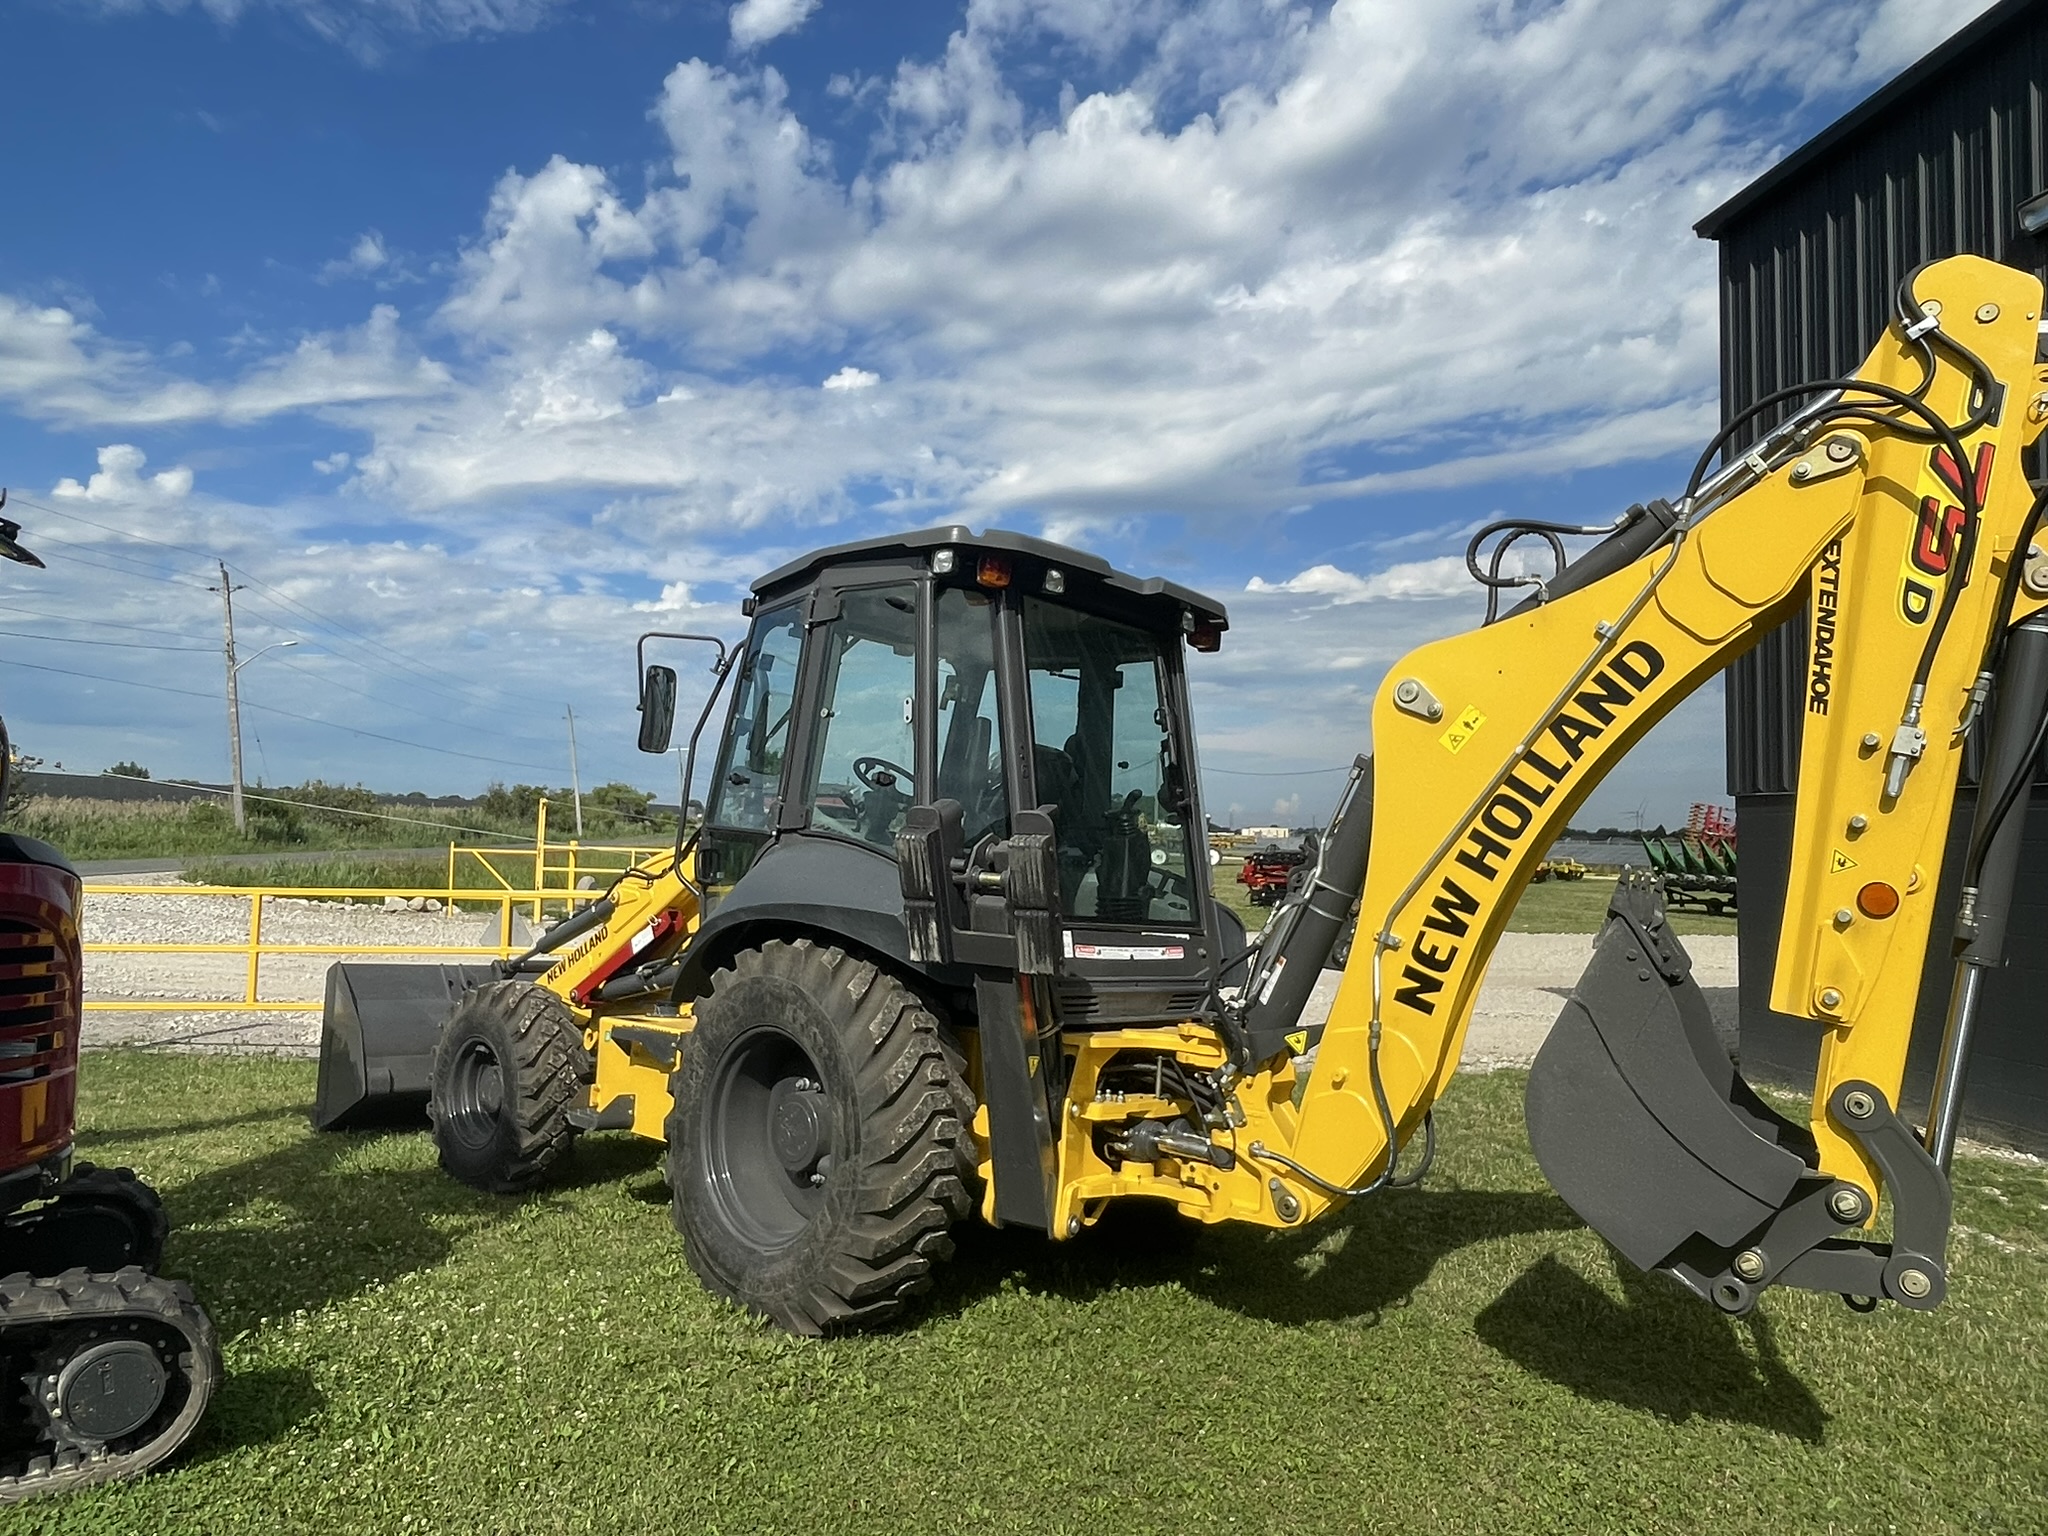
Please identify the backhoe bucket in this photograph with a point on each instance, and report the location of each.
(1640, 1120)
(377, 1040)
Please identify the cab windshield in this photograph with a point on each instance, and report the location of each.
(1104, 759)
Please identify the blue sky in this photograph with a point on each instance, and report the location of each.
(477, 336)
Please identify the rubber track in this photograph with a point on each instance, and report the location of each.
(917, 1156)
(33, 1309)
(549, 1076)
(121, 1187)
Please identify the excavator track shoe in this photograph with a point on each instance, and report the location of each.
(111, 1373)
(1640, 1120)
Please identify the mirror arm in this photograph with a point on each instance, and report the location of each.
(725, 661)
(640, 648)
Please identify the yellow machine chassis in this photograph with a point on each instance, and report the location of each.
(1533, 711)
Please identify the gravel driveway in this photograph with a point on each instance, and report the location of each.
(186, 919)
(1519, 1001)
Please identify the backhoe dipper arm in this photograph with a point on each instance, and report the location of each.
(1486, 743)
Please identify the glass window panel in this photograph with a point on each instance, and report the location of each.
(969, 742)
(747, 792)
(1104, 760)
(862, 779)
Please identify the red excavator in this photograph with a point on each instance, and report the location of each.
(112, 1364)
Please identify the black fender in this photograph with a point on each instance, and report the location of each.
(781, 893)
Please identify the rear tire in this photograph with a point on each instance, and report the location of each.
(508, 1068)
(818, 1149)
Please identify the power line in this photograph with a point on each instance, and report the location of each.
(420, 675)
(1274, 773)
(126, 533)
(272, 709)
(95, 622)
(328, 682)
(119, 570)
(425, 674)
(125, 645)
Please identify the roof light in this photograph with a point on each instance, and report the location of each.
(1205, 637)
(942, 562)
(1055, 580)
(994, 571)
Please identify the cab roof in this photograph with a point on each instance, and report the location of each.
(1147, 592)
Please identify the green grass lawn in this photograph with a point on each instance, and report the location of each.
(1555, 906)
(405, 1355)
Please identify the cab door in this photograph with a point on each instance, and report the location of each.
(744, 803)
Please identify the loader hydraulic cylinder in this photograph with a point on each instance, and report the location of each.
(1291, 952)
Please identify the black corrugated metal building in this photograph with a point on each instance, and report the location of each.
(1934, 164)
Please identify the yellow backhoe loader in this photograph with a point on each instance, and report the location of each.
(946, 935)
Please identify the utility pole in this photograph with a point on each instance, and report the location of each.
(575, 784)
(227, 591)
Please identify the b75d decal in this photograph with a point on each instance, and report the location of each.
(1934, 536)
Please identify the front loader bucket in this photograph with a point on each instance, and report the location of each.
(377, 1039)
(1640, 1120)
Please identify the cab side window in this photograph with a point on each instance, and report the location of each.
(747, 793)
(969, 742)
(866, 754)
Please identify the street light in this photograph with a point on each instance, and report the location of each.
(235, 715)
(280, 645)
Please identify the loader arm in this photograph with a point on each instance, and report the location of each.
(1486, 743)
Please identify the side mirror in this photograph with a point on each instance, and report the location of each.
(657, 708)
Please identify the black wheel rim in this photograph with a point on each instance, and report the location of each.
(769, 1138)
(476, 1094)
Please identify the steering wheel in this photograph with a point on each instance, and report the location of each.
(880, 773)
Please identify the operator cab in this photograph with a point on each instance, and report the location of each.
(1022, 698)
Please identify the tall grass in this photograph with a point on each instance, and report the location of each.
(424, 873)
(104, 829)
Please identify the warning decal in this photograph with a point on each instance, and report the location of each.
(1840, 861)
(1469, 721)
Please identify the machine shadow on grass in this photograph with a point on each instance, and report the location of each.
(1354, 1265)
(1657, 1350)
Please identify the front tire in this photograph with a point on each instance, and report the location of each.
(818, 1150)
(508, 1068)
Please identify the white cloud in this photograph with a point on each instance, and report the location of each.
(759, 21)
(120, 482)
(57, 367)
(1337, 259)
(851, 377)
(675, 598)
(1390, 249)
(366, 28)
(1444, 576)
(365, 257)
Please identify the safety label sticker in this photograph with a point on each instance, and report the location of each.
(1839, 862)
(1128, 952)
(1469, 721)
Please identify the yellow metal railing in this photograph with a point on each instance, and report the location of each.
(255, 947)
(528, 881)
(532, 870)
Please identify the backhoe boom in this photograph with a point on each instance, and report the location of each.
(1486, 742)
